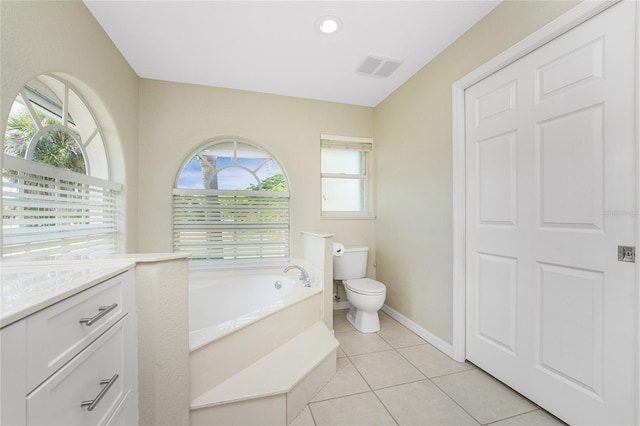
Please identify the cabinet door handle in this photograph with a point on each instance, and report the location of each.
(102, 311)
(92, 404)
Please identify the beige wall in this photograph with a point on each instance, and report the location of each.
(175, 119)
(414, 169)
(152, 126)
(62, 37)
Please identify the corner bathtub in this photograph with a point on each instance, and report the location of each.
(221, 303)
(236, 318)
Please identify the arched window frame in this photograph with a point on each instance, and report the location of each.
(226, 227)
(55, 212)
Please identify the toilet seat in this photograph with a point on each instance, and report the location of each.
(365, 286)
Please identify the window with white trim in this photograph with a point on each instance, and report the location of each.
(57, 199)
(346, 175)
(231, 206)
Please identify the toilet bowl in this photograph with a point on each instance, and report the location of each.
(365, 295)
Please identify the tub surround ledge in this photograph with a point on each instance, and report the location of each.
(288, 377)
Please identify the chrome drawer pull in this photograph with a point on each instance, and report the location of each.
(92, 404)
(103, 310)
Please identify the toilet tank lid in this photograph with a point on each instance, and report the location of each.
(352, 249)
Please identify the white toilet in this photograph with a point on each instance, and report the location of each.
(365, 295)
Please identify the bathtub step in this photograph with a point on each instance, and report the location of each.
(279, 384)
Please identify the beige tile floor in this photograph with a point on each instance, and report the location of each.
(394, 377)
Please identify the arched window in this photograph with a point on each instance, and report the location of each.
(56, 196)
(231, 205)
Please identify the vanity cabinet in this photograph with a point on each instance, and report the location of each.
(75, 361)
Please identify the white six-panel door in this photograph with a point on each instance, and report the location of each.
(550, 170)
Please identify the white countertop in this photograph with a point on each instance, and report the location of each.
(27, 287)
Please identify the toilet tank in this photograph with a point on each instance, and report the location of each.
(352, 264)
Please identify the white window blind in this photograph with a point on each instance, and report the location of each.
(352, 146)
(48, 211)
(240, 226)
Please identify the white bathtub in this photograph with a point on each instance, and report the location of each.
(223, 303)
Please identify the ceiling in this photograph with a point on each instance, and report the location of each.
(276, 46)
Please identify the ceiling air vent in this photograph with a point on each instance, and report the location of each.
(378, 67)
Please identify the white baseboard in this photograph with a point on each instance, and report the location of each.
(341, 305)
(431, 338)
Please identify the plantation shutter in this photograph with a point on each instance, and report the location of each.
(224, 226)
(48, 211)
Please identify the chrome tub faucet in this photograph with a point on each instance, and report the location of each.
(304, 276)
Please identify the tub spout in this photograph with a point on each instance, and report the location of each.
(304, 276)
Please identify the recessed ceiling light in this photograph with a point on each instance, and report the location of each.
(329, 24)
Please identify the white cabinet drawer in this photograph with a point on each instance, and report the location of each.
(55, 334)
(126, 414)
(58, 400)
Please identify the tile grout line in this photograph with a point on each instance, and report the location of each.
(333, 398)
(373, 390)
(313, 419)
(444, 392)
(430, 379)
(395, 349)
(400, 384)
(438, 387)
(385, 407)
(369, 385)
(402, 357)
(456, 402)
(511, 417)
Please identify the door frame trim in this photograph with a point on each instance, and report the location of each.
(572, 18)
